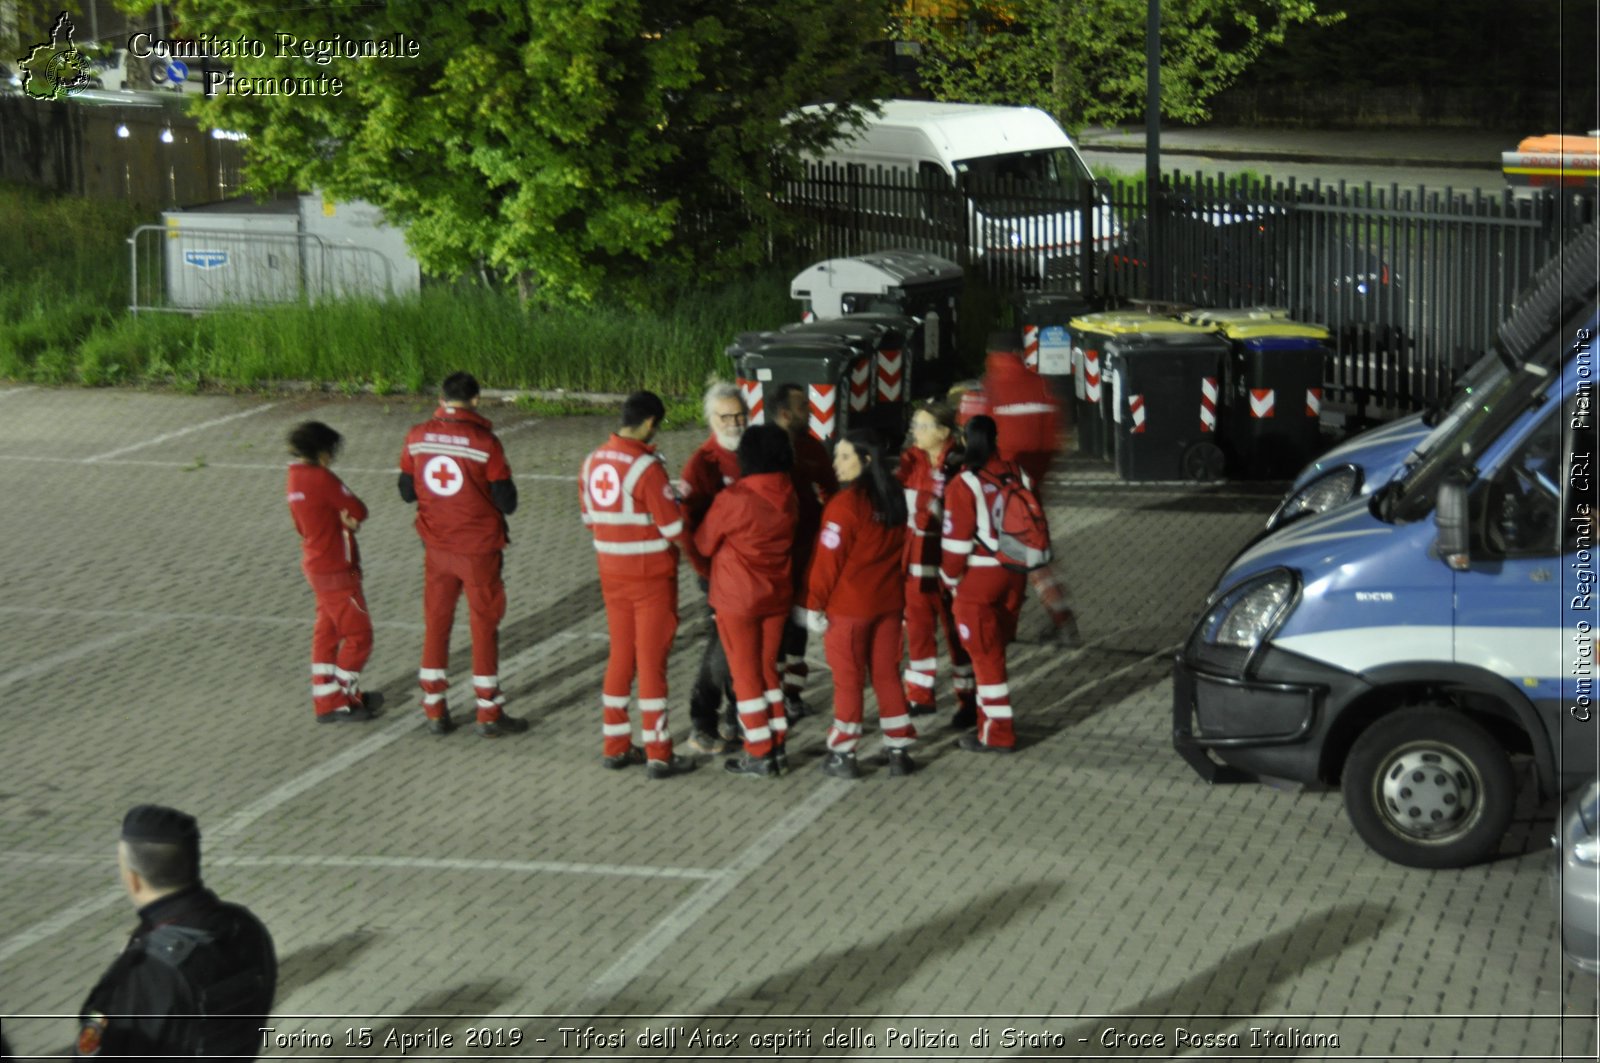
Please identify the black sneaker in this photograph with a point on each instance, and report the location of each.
(971, 744)
(371, 700)
(921, 710)
(841, 766)
(753, 767)
(780, 759)
(666, 769)
(795, 708)
(441, 725)
(900, 763)
(634, 755)
(348, 714)
(966, 716)
(501, 726)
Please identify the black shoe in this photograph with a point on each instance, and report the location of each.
(634, 755)
(754, 767)
(964, 718)
(666, 769)
(841, 766)
(502, 725)
(971, 744)
(441, 725)
(795, 708)
(900, 763)
(922, 710)
(371, 700)
(780, 760)
(348, 714)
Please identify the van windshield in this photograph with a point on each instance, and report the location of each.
(1460, 442)
(1017, 183)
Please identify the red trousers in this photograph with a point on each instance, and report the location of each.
(444, 576)
(986, 606)
(858, 649)
(925, 612)
(752, 644)
(641, 618)
(341, 642)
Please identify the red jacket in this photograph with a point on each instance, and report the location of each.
(749, 536)
(709, 469)
(327, 547)
(452, 459)
(961, 547)
(924, 482)
(856, 571)
(1025, 412)
(633, 511)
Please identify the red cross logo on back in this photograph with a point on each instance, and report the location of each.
(604, 487)
(442, 475)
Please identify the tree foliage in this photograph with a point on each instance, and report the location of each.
(1084, 60)
(574, 145)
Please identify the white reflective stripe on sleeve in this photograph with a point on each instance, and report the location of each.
(586, 518)
(925, 664)
(983, 561)
(607, 517)
(958, 546)
(652, 704)
(614, 701)
(451, 449)
(923, 570)
(669, 531)
(911, 506)
(994, 690)
(613, 730)
(918, 678)
(1016, 409)
(322, 690)
(647, 546)
(427, 674)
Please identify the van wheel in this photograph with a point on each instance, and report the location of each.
(1427, 787)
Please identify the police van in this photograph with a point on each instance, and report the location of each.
(1368, 461)
(1406, 646)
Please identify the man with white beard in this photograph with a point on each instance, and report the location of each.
(709, 469)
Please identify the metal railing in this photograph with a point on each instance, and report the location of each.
(193, 270)
(1412, 283)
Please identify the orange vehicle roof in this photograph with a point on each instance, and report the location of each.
(1561, 144)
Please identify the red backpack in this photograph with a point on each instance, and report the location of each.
(1013, 526)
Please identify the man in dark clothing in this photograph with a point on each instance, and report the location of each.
(198, 975)
(814, 483)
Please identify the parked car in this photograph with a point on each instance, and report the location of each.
(1575, 878)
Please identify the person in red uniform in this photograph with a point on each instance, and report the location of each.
(856, 595)
(713, 466)
(987, 596)
(749, 536)
(453, 468)
(632, 509)
(1028, 418)
(327, 515)
(814, 484)
(925, 467)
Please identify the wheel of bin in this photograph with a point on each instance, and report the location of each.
(1203, 462)
(1428, 787)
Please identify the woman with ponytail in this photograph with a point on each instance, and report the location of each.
(856, 594)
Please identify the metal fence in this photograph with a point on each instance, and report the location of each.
(193, 270)
(1412, 283)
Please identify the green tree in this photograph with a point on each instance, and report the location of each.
(1084, 60)
(574, 146)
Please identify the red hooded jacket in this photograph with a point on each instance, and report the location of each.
(924, 482)
(856, 571)
(1026, 415)
(749, 536)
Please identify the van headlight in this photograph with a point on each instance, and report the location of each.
(1333, 488)
(1241, 620)
(1579, 826)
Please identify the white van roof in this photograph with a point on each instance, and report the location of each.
(967, 130)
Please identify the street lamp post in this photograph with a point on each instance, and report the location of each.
(1152, 146)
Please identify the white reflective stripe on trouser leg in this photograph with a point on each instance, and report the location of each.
(893, 723)
(322, 690)
(432, 674)
(924, 664)
(753, 705)
(631, 549)
(994, 690)
(773, 697)
(1000, 711)
(757, 734)
(323, 669)
(957, 546)
(779, 725)
(652, 704)
(432, 699)
(490, 681)
(614, 701)
(611, 730)
(346, 677)
(921, 679)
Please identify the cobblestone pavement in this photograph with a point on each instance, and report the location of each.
(1090, 895)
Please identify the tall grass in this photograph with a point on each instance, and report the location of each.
(64, 269)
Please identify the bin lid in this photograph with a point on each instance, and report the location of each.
(801, 362)
(876, 274)
(1217, 315)
(1116, 322)
(1274, 330)
(1192, 339)
(850, 327)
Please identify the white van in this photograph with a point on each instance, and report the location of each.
(1017, 172)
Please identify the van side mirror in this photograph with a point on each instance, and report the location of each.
(1450, 518)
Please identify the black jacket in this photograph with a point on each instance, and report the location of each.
(197, 979)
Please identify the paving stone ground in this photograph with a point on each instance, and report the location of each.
(1090, 895)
